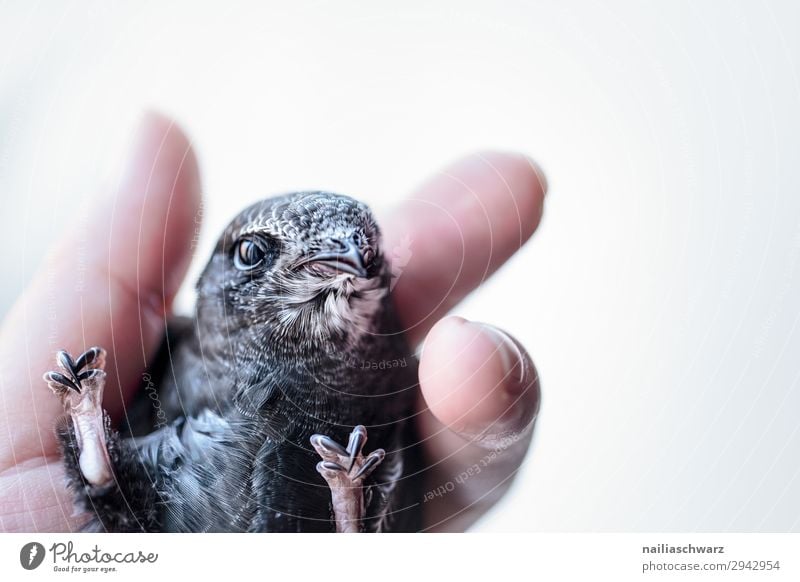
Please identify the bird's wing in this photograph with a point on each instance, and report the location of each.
(203, 472)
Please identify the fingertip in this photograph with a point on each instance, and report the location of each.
(162, 145)
(525, 182)
(477, 380)
(156, 211)
(512, 162)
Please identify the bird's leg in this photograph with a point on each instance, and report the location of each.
(79, 383)
(345, 470)
(113, 482)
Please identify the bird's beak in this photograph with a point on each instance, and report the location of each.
(344, 256)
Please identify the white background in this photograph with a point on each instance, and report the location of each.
(660, 296)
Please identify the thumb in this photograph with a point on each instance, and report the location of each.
(481, 397)
(109, 282)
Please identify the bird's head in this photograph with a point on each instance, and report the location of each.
(304, 267)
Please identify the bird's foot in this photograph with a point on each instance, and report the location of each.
(345, 469)
(79, 383)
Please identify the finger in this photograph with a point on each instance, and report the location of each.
(457, 230)
(480, 394)
(109, 282)
(33, 498)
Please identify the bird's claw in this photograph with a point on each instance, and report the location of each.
(79, 383)
(72, 374)
(345, 469)
(346, 466)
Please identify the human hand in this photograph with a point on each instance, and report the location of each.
(111, 282)
(480, 389)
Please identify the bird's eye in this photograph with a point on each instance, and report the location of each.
(250, 253)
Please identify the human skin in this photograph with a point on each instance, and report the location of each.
(111, 280)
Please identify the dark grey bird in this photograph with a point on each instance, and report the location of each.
(265, 398)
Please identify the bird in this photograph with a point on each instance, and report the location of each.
(259, 406)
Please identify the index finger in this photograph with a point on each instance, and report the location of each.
(457, 229)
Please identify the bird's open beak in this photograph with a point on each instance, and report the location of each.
(344, 256)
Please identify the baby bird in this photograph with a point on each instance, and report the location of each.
(266, 396)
